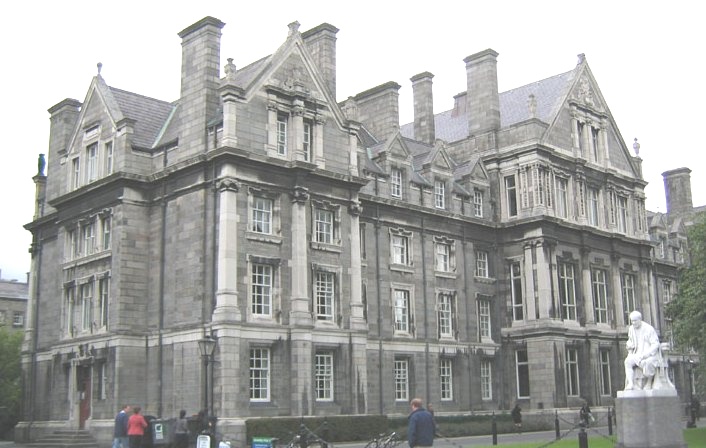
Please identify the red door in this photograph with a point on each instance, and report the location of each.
(83, 378)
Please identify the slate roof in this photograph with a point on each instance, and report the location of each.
(150, 115)
(549, 94)
(14, 290)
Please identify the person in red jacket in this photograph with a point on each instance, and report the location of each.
(136, 427)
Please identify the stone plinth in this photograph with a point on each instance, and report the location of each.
(649, 419)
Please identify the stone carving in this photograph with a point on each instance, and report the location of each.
(644, 364)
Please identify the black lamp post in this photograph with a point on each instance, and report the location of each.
(207, 345)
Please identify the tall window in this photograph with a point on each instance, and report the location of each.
(92, 162)
(622, 213)
(324, 291)
(262, 215)
(259, 374)
(400, 249)
(86, 306)
(562, 209)
(477, 204)
(600, 295)
(323, 371)
(484, 318)
(108, 157)
(401, 297)
(72, 243)
(595, 134)
(511, 195)
(103, 297)
(667, 291)
(282, 134)
(401, 373)
(88, 236)
(70, 300)
(324, 224)
(105, 230)
(605, 372)
(522, 372)
(75, 173)
(261, 294)
(102, 382)
(567, 291)
(518, 301)
(593, 207)
(446, 378)
(308, 142)
(482, 264)
(629, 304)
(446, 315)
(443, 257)
(572, 372)
(396, 183)
(486, 380)
(439, 194)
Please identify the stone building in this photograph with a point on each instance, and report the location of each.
(343, 264)
(13, 304)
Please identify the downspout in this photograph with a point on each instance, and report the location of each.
(426, 316)
(378, 282)
(468, 321)
(35, 335)
(162, 257)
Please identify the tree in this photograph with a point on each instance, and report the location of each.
(10, 377)
(688, 309)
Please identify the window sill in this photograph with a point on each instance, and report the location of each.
(85, 259)
(402, 268)
(326, 247)
(445, 274)
(263, 237)
(487, 280)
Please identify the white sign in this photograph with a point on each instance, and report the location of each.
(203, 441)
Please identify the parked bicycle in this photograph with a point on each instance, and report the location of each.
(384, 440)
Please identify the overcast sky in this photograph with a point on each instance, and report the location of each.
(647, 58)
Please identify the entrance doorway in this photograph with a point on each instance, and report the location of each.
(83, 386)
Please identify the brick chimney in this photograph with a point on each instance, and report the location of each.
(423, 108)
(200, 68)
(482, 87)
(379, 110)
(321, 43)
(677, 189)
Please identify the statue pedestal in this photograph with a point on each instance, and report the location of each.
(649, 419)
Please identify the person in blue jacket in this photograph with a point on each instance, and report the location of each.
(420, 427)
(120, 439)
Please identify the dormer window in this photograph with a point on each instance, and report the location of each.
(282, 134)
(92, 162)
(308, 142)
(396, 183)
(439, 194)
(477, 204)
(75, 173)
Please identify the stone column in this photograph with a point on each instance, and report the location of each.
(227, 261)
(300, 310)
(544, 280)
(230, 94)
(617, 291)
(588, 306)
(357, 321)
(529, 290)
(297, 133)
(318, 153)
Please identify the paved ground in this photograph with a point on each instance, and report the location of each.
(541, 437)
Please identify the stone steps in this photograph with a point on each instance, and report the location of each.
(65, 438)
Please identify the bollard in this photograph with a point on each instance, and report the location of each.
(556, 425)
(303, 436)
(583, 437)
(610, 423)
(494, 429)
(324, 434)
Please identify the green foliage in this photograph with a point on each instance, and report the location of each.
(688, 309)
(10, 377)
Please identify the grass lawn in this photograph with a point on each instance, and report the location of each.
(694, 438)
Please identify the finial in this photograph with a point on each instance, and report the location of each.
(230, 69)
(293, 27)
(532, 105)
(582, 58)
(100, 66)
(636, 147)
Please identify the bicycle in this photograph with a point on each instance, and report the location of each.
(384, 440)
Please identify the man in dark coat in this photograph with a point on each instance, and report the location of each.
(420, 428)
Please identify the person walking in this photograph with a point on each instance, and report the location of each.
(420, 427)
(516, 414)
(120, 439)
(585, 416)
(181, 431)
(136, 426)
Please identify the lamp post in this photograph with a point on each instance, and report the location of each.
(207, 345)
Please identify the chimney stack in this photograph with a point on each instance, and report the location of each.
(423, 108)
(200, 69)
(63, 119)
(482, 86)
(677, 189)
(379, 110)
(321, 43)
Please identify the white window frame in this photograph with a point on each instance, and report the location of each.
(103, 301)
(443, 256)
(261, 215)
(478, 204)
(324, 295)
(262, 277)
(401, 305)
(484, 324)
(511, 195)
(439, 194)
(109, 162)
(75, 173)
(667, 290)
(516, 291)
(522, 369)
(571, 367)
(69, 304)
(324, 376)
(400, 247)
(605, 383)
(599, 289)
(562, 191)
(106, 230)
(627, 284)
(567, 290)
(446, 305)
(396, 183)
(324, 221)
(593, 201)
(259, 374)
(91, 162)
(401, 376)
(282, 128)
(486, 380)
(86, 290)
(622, 213)
(308, 140)
(482, 270)
(446, 379)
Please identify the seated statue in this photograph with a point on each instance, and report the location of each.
(644, 366)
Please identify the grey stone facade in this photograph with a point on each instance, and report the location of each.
(343, 263)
